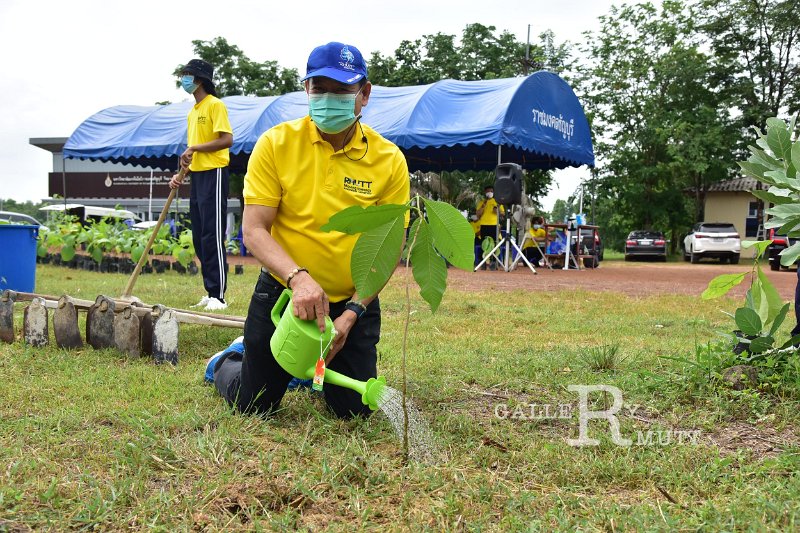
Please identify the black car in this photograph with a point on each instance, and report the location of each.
(646, 243)
(779, 243)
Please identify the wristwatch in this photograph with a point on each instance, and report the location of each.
(357, 307)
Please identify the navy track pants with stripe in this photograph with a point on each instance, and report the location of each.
(208, 206)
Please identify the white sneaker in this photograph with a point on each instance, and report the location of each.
(215, 305)
(202, 303)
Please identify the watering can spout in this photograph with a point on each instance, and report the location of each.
(371, 390)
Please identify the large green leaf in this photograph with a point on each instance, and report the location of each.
(452, 234)
(779, 139)
(96, 253)
(375, 256)
(796, 154)
(789, 255)
(720, 285)
(779, 318)
(761, 157)
(754, 169)
(356, 219)
(785, 211)
(760, 246)
(430, 270)
(771, 197)
(773, 299)
(67, 252)
(780, 179)
(761, 344)
(136, 253)
(748, 321)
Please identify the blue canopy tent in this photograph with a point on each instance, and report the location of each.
(536, 121)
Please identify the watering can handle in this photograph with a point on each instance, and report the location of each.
(283, 299)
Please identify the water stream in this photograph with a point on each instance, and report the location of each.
(421, 444)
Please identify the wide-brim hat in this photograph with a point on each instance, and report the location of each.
(200, 69)
(338, 61)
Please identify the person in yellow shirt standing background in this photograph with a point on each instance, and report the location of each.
(488, 212)
(207, 156)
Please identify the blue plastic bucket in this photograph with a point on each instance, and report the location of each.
(18, 257)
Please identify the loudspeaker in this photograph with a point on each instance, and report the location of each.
(508, 184)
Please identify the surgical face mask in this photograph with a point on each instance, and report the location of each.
(331, 112)
(537, 226)
(188, 84)
(490, 195)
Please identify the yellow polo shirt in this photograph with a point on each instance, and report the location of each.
(205, 122)
(489, 217)
(294, 169)
(536, 234)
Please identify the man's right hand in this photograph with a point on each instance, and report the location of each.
(309, 300)
(174, 183)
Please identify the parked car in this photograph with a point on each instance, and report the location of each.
(11, 217)
(89, 213)
(779, 243)
(646, 243)
(712, 239)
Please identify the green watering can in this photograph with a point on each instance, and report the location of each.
(296, 345)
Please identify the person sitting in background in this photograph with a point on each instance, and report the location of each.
(536, 235)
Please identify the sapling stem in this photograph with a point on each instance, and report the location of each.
(415, 202)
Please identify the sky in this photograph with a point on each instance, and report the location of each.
(64, 61)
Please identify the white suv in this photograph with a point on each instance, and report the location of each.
(712, 239)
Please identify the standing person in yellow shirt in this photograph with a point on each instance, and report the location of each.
(209, 136)
(488, 212)
(301, 173)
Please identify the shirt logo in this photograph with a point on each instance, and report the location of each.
(357, 186)
(201, 119)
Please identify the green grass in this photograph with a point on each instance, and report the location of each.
(91, 440)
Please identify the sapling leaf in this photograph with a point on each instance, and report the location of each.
(453, 237)
(790, 255)
(356, 219)
(773, 299)
(375, 256)
(748, 321)
(779, 139)
(760, 157)
(781, 316)
(796, 154)
(67, 252)
(96, 253)
(136, 253)
(794, 341)
(760, 246)
(720, 285)
(761, 344)
(428, 267)
(772, 197)
(755, 169)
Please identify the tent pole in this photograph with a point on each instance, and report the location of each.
(499, 148)
(64, 180)
(150, 202)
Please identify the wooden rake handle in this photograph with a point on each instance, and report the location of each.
(136, 271)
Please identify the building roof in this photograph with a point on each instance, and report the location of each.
(744, 184)
(51, 144)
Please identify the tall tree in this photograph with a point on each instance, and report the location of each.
(658, 122)
(237, 74)
(756, 44)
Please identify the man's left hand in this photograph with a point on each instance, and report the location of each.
(186, 157)
(343, 324)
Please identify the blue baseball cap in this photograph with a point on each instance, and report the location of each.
(338, 61)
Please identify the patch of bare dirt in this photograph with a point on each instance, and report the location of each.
(633, 279)
(762, 441)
